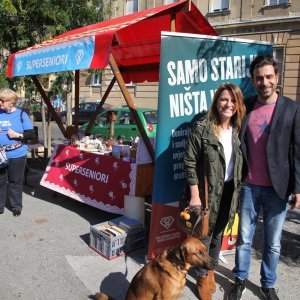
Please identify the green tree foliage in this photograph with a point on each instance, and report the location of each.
(62, 84)
(25, 23)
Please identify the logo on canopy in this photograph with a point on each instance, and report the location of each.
(19, 66)
(78, 56)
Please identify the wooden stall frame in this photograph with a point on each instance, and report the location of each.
(110, 38)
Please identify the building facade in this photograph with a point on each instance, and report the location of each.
(276, 21)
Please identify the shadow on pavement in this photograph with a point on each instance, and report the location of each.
(34, 189)
(290, 251)
(115, 285)
(290, 242)
(290, 256)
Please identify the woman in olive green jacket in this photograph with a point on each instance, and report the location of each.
(213, 149)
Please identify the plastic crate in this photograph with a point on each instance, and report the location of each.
(112, 247)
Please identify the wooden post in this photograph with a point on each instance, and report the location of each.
(130, 104)
(173, 23)
(49, 135)
(69, 107)
(77, 78)
(111, 118)
(44, 125)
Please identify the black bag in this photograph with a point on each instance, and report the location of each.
(193, 219)
(3, 158)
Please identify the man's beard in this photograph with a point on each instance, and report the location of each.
(271, 91)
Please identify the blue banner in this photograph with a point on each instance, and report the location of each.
(73, 55)
(191, 69)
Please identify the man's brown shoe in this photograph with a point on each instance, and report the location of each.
(203, 288)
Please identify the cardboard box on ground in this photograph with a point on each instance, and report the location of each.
(117, 237)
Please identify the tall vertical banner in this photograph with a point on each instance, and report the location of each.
(191, 69)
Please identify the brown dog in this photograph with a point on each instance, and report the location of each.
(165, 276)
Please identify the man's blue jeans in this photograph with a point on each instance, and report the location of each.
(274, 210)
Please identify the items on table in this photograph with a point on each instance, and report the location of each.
(110, 146)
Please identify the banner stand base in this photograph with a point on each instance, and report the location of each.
(225, 252)
(223, 259)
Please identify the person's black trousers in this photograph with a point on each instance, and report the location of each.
(11, 183)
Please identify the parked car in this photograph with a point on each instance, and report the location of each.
(125, 124)
(86, 110)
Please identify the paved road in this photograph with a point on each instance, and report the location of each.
(44, 254)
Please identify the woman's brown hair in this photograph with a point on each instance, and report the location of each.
(237, 118)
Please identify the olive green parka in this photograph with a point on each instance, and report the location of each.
(203, 147)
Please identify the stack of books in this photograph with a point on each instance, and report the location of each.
(126, 223)
(111, 230)
(119, 226)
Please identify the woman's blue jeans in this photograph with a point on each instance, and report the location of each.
(274, 210)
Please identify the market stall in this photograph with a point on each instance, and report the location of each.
(129, 44)
(97, 179)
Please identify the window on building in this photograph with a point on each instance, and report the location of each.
(170, 1)
(278, 53)
(277, 2)
(96, 79)
(131, 6)
(218, 5)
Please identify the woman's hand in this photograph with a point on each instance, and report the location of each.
(195, 198)
(12, 134)
(295, 203)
